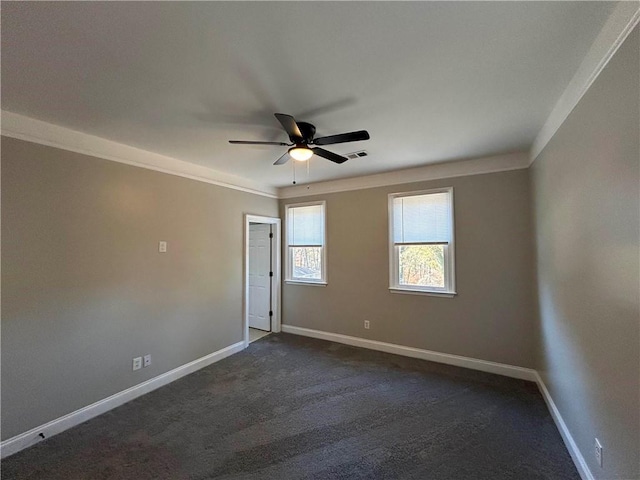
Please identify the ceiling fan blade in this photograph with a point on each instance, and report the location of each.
(343, 138)
(249, 142)
(283, 159)
(334, 157)
(290, 126)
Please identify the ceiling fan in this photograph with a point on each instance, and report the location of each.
(301, 135)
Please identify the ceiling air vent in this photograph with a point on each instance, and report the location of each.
(360, 153)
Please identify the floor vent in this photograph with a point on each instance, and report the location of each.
(361, 153)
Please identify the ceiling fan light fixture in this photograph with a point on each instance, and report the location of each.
(302, 154)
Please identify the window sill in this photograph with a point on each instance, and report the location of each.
(407, 291)
(300, 282)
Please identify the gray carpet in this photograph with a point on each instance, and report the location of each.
(291, 407)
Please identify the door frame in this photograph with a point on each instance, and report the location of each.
(275, 281)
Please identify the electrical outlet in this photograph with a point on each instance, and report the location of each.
(137, 363)
(598, 452)
(162, 247)
(367, 324)
(146, 361)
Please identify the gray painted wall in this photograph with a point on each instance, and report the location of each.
(586, 196)
(491, 317)
(85, 289)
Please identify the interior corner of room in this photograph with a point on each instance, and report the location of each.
(115, 251)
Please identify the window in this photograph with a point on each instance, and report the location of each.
(306, 254)
(421, 242)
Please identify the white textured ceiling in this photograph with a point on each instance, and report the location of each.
(431, 82)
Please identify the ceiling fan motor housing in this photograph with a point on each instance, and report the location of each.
(307, 130)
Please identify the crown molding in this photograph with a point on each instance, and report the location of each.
(36, 131)
(460, 168)
(616, 29)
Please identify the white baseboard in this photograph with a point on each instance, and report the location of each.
(466, 362)
(457, 360)
(26, 439)
(574, 451)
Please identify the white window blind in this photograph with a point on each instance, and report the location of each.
(306, 226)
(421, 242)
(422, 219)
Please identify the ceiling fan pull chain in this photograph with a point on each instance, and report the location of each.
(294, 172)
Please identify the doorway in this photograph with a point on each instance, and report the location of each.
(262, 277)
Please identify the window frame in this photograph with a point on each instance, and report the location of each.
(449, 289)
(289, 278)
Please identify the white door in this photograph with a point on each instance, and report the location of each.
(259, 279)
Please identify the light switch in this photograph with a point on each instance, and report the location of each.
(137, 363)
(162, 247)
